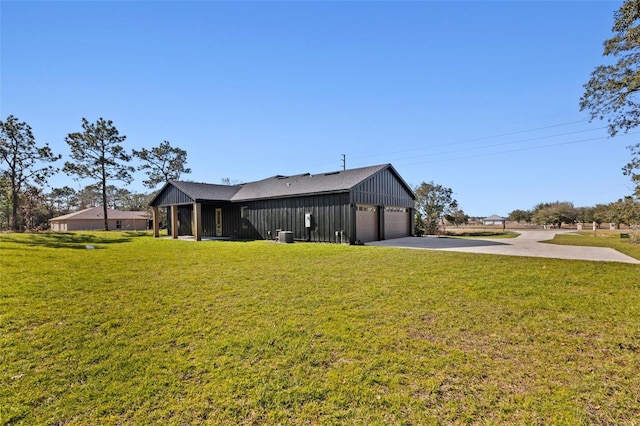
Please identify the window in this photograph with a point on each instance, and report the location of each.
(118, 224)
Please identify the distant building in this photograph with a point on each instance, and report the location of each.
(92, 219)
(493, 220)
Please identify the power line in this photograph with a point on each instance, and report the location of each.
(509, 143)
(510, 151)
(480, 138)
(551, 126)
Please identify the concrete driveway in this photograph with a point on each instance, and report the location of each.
(527, 244)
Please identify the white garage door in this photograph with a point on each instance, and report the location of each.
(397, 222)
(366, 223)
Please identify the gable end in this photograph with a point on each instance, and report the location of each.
(384, 188)
(170, 195)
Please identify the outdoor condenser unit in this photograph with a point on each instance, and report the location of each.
(285, 237)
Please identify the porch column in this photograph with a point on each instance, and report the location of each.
(154, 218)
(174, 221)
(197, 221)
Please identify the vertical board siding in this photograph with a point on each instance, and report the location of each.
(172, 195)
(233, 225)
(184, 220)
(209, 220)
(382, 189)
(329, 213)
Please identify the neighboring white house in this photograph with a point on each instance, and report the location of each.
(494, 220)
(93, 219)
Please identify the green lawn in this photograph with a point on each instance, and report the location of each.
(601, 239)
(153, 331)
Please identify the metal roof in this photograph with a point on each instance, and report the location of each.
(281, 186)
(306, 184)
(206, 191)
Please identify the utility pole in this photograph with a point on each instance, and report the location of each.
(344, 162)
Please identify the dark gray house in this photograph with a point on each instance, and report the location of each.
(348, 206)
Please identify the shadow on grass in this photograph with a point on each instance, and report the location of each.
(69, 239)
(207, 238)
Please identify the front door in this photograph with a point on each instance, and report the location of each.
(218, 222)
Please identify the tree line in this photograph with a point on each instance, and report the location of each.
(625, 211)
(436, 207)
(97, 155)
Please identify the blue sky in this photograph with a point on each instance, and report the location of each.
(481, 97)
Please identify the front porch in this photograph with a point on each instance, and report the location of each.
(195, 221)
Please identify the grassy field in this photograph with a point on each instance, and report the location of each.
(601, 239)
(153, 331)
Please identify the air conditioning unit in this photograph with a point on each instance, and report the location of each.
(285, 237)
